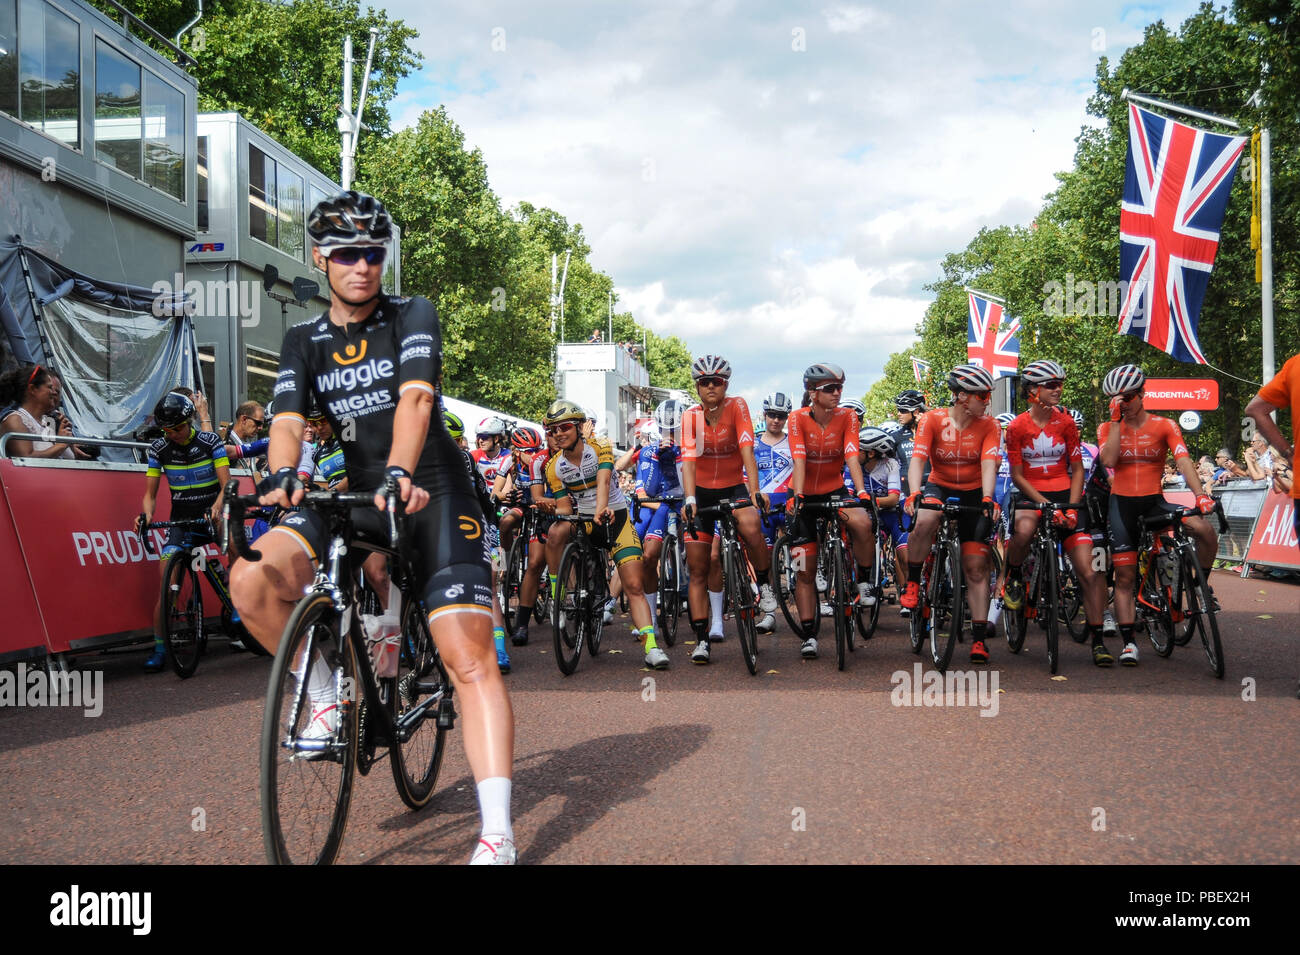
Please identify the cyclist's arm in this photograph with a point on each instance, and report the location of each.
(151, 483)
(1076, 480)
(855, 471)
(223, 476)
(410, 428)
(624, 462)
(503, 485)
(1259, 410)
(990, 476)
(751, 470)
(1108, 453)
(285, 450)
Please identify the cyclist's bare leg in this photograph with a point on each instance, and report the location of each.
(697, 562)
(629, 574)
(1026, 522)
(266, 592)
(528, 587)
(375, 567)
(1207, 541)
(975, 568)
(487, 722)
(751, 532)
(862, 534)
(1125, 574)
(650, 566)
(1091, 583)
(715, 564)
(804, 557)
(922, 535)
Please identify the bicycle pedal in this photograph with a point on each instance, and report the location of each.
(446, 715)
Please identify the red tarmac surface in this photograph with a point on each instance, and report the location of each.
(799, 764)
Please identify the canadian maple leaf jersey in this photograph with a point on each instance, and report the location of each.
(358, 373)
(191, 470)
(955, 455)
(715, 449)
(775, 465)
(1142, 453)
(824, 451)
(578, 481)
(1044, 454)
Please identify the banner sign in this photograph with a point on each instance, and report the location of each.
(1274, 540)
(89, 572)
(1183, 394)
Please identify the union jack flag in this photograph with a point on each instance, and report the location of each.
(1175, 194)
(920, 368)
(987, 342)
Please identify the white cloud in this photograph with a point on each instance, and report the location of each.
(777, 206)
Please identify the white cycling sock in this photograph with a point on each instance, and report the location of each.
(494, 806)
(715, 604)
(320, 683)
(652, 599)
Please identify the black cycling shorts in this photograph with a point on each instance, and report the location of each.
(709, 497)
(452, 554)
(1124, 514)
(804, 530)
(968, 521)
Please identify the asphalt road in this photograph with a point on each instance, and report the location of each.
(1160, 763)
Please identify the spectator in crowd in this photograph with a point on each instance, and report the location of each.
(1226, 469)
(1259, 459)
(1205, 470)
(596, 337)
(29, 404)
(1172, 478)
(1283, 479)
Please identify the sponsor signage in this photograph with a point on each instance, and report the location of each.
(1273, 541)
(1162, 394)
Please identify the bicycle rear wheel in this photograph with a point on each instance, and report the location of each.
(598, 589)
(1014, 622)
(1200, 606)
(1153, 605)
(570, 610)
(417, 696)
(867, 618)
(919, 619)
(947, 616)
(668, 606)
(785, 583)
(1072, 605)
(305, 796)
(182, 615)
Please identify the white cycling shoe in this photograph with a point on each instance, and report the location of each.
(766, 599)
(865, 595)
(494, 850)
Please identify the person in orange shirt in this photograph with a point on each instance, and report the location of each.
(1135, 443)
(823, 439)
(718, 464)
(961, 445)
(1282, 391)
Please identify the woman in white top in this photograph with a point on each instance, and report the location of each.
(35, 391)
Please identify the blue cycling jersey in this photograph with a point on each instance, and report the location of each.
(656, 471)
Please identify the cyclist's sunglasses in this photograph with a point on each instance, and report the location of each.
(830, 389)
(352, 254)
(1054, 383)
(981, 395)
(1132, 395)
(711, 383)
(777, 415)
(560, 428)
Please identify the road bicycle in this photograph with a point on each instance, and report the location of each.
(940, 613)
(307, 779)
(581, 592)
(1171, 587)
(672, 568)
(738, 575)
(518, 564)
(840, 568)
(1045, 599)
(185, 629)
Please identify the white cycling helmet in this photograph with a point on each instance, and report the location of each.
(967, 377)
(1123, 379)
(711, 366)
(1005, 419)
(890, 427)
(878, 440)
(1078, 419)
(491, 426)
(856, 406)
(779, 402)
(669, 414)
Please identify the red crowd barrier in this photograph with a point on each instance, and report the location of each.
(86, 573)
(1274, 541)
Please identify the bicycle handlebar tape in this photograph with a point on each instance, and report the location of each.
(142, 528)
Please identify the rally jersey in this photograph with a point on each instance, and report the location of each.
(1142, 452)
(1284, 391)
(579, 480)
(191, 469)
(656, 471)
(775, 466)
(824, 451)
(1044, 454)
(358, 373)
(955, 456)
(715, 449)
(330, 466)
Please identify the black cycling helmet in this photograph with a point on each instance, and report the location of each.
(350, 218)
(173, 409)
(910, 400)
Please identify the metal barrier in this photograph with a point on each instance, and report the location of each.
(1242, 502)
(136, 446)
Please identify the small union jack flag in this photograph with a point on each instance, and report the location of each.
(920, 368)
(1175, 194)
(987, 342)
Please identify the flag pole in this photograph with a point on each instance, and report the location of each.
(1265, 214)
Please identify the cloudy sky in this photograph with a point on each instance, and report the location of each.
(772, 181)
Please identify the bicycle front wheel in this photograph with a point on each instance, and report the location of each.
(742, 587)
(514, 575)
(840, 602)
(947, 617)
(1072, 605)
(669, 604)
(1153, 605)
(182, 615)
(306, 793)
(1201, 608)
(1049, 602)
(571, 605)
(419, 693)
(1015, 623)
(783, 562)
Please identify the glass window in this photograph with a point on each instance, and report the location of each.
(317, 196)
(164, 137)
(261, 195)
(208, 374)
(9, 57)
(117, 111)
(203, 184)
(40, 78)
(263, 369)
(290, 238)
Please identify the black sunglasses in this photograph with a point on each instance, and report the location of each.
(830, 389)
(351, 255)
(711, 383)
(777, 415)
